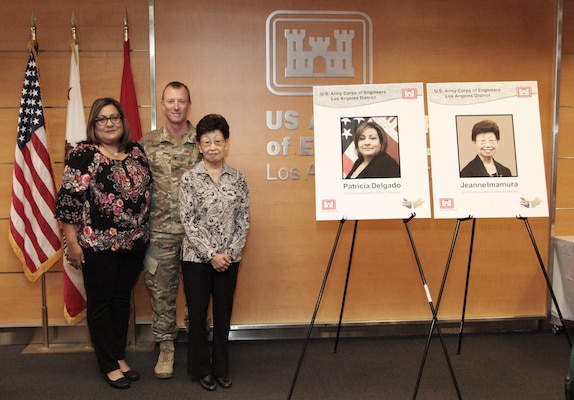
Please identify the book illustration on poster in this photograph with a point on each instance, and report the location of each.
(362, 169)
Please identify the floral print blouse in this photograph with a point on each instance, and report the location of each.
(215, 215)
(107, 200)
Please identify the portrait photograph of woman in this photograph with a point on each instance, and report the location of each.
(486, 146)
(370, 147)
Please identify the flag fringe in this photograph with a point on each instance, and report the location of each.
(45, 266)
(74, 320)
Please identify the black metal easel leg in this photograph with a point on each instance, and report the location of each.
(346, 285)
(434, 310)
(461, 328)
(548, 283)
(302, 355)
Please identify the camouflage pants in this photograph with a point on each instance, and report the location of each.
(161, 273)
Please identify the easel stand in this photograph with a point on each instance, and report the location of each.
(316, 308)
(544, 272)
(427, 292)
(434, 311)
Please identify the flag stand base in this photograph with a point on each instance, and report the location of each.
(81, 348)
(57, 348)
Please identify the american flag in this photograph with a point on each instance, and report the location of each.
(34, 233)
(390, 125)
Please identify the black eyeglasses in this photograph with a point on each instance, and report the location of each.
(103, 120)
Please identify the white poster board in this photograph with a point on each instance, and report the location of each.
(394, 184)
(463, 184)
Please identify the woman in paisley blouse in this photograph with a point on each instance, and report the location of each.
(103, 205)
(214, 208)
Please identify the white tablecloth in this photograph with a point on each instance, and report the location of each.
(563, 277)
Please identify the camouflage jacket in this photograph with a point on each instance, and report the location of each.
(169, 157)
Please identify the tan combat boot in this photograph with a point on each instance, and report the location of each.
(164, 367)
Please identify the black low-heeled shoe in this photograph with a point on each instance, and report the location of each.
(122, 383)
(131, 375)
(208, 383)
(224, 381)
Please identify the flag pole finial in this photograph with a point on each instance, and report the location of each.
(74, 33)
(33, 26)
(126, 28)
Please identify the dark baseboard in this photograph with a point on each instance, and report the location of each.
(78, 336)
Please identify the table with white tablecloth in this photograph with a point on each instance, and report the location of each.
(563, 277)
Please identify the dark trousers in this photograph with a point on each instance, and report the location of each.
(200, 282)
(109, 279)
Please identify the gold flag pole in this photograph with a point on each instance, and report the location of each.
(74, 39)
(73, 43)
(132, 331)
(68, 146)
(33, 26)
(32, 43)
(45, 334)
(126, 28)
(73, 20)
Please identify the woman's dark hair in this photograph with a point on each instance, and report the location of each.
(485, 126)
(380, 132)
(210, 123)
(95, 112)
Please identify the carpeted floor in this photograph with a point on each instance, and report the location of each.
(531, 365)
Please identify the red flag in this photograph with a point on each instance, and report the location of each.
(128, 97)
(74, 290)
(34, 232)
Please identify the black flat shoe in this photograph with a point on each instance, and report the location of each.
(121, 383)
(208, 383)
(224, 381)
(131, 375)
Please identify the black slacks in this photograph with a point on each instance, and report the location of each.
(109, 279)
(200, 282)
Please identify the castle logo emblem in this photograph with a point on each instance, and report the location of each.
(310, 48)
(338, 62)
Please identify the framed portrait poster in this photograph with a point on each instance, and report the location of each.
(486, 150)
(370, 152)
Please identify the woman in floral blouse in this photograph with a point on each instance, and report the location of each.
(103, 206)
(214, 208)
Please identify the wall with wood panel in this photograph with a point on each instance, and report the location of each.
(219, 49)
(564, 225)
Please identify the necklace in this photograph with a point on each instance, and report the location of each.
(115, 153)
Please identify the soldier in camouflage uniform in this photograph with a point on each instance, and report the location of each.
(171, 151)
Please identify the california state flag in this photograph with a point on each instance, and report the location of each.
(74, 291)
